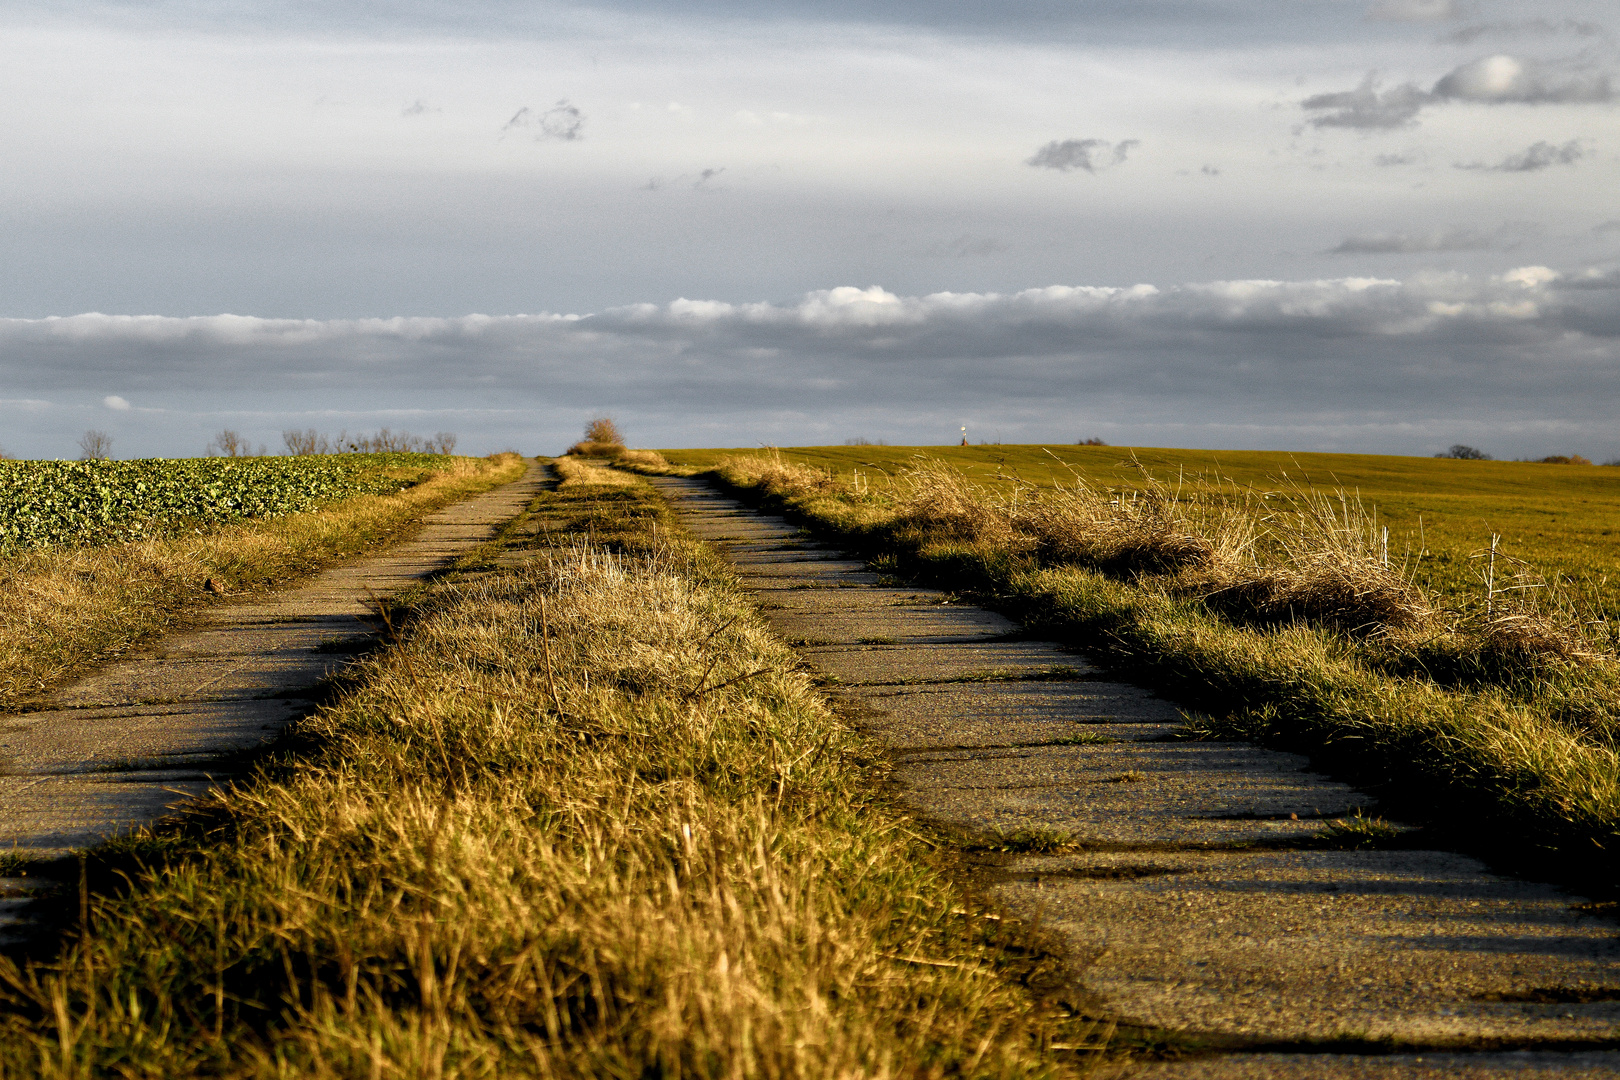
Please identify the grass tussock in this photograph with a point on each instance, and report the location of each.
(575, 471)
(586, 819)
(61, 608)
(1283, 616)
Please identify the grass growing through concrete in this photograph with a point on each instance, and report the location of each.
(584, 818)
(1505, 725)
(62, 607)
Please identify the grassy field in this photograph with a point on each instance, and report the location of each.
(1275, 621)
(585, 817)
(66, 604)
(1563, 519)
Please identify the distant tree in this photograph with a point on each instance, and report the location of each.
(861, 440)
(97, 445)
(1564, 459)
(442, 443)
(603, 430)
(229, 443)
(1093, 441)
(1465, 453)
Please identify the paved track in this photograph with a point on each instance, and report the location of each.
(1197, 902)
(120, 747)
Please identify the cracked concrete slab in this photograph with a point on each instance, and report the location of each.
(1198, 892)
(121, 746)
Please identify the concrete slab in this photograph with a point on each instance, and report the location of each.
(1412, 945)
(888, 665)
(1524, 1065)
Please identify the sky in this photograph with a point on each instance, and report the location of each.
(1380, 226)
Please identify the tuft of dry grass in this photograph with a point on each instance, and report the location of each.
(588, 818)
(649, 458)
(1153, 529)
(61, 608)
(576, 471)
(941, 501)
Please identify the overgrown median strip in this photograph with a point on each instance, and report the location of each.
(1518, 759)
(584, 818)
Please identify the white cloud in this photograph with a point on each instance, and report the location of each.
(1204, 360)
(1088, 155)
(115, 403)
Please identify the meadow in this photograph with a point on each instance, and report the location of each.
(1272, 613)
(1564, 520)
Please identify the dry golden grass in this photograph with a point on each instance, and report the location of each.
(1282, 615)
(64, 607)
(588, 819)
(651, 458)
(574, 471)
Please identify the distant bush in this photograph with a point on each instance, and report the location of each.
(1093, 441)
(1465, 453)
(602, 439)
(603, 430)
(1563, 459)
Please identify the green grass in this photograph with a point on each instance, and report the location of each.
(583, 818)
(1563, 519)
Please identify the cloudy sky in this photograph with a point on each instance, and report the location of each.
(1365, 225)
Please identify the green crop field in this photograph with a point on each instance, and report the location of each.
(50, 503)
(1562, 519)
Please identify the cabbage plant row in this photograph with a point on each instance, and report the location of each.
(52, 503)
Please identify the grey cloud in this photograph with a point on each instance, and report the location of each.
(1534, 158)
(562, 121)
(1465, 35)
(1503, 78)
(1409, 243)
(1606, 228)
(1261, 363)
(417, 108)
(1367, 106)
(1089, 155)
(1387, 160)
(1489, 80)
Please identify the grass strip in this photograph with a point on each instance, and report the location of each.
(1525, 770)
(585, 817)
(63, 607)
